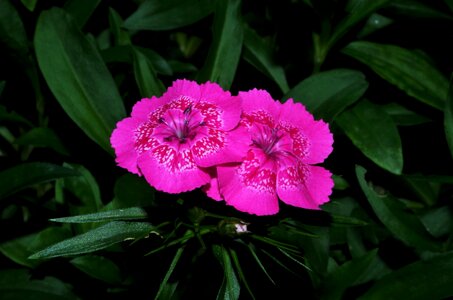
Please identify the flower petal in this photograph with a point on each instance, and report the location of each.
(123, 141)
(321, 141)
(172, 171)
(143, 108)
(250, 186)
(212, 189)
(304, 186)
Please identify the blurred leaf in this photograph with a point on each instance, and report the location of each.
(403, 116)
(340, 183)
(168, 14)
(131, 190)
(180, 67)
(402, 224)
(12, 30)
(316, 252)
(223, 57)
(117, 54)
(120, 35)
(12, 116)
(172, 267)
(448, 117)
(159, 63)
(230, 288)
(77, 76)
(374, 133)
(145, 76)
(22, 176)
(18, 250)
(96, 239)
(449, 3)
(426, 279)
(438, 221)
(360, 11)
(260, 55)
(81, 10)
(132, 213)
(416, 9)
(374, 23)
(29, 4)
(425, 190)
(17, 284)
(406, 69)
(98, 267)
(42, 137)
(188, 44)
(328, 93)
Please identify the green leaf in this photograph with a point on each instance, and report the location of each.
(374, 133)
(22, 176)
(448, 117)
(12, 30)
(131, 190)
(438, 221)
(326, 94)
(159, 63)
(416, 9)
(98, 267)
(12, 116)
(402, 224)
(423, 188)
(145, 76)
(77, 76)
(408, 70)
(120, 35)
(449, 4)
(258, 261)
(172, 267)
(81, 10)
(168, 14)
(180, 67)
(426, 279)
(223, 57)
(29, 4)
(132, 213)
(42, 137)
(17, 284)
(403, 116)
(260, 55)
(374, 23)
(96, 239)
(230, 288)
(241, 274)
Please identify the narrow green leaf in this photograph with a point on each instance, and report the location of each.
(120, 35)
(27, 174)
(415, 9)
(230, 288)
(172, 267)
(12, 30)
(159, 63)
(168, 14)
(408, 70)
(131, 190)
(18, 284)
(374, 23)
(327, 94)
(145, 76)
(426, 279)
(241, 274)
(96, 239)
(448, 117)
(42, 137)
(98, 267)
(132, 213)
(260, 55)
(403, 116)
(402, 224)
(258, 261)
(29, 4)
(81, 10)
(374, 133)
(223, 57)
(77, 76)
(6, 116)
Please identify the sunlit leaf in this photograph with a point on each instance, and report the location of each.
(98, 267)
(406, 69)
(425, 279)
(328, 93)
(260, 54)
(172, 267)
(18, 284)
(402, 224)
(145, 76)
(132, 213)
(77, 76)
(81, 10)
(223, 57)
(42, 137)
(374, 133)
(168, 14)
(27, 174)
(96, 239)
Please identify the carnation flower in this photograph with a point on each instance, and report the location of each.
(286, 142)
(173, 140)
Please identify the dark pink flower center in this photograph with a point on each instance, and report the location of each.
(274, 142)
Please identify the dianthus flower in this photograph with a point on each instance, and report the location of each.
(285, 143)
(173, 140)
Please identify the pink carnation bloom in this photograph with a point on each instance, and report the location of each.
(173, 140)
(286, 141)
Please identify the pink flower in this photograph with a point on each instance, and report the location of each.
(286, 142)
(173, 140)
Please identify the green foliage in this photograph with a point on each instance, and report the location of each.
(76, 226)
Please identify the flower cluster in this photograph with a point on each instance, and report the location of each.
(248, 150)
